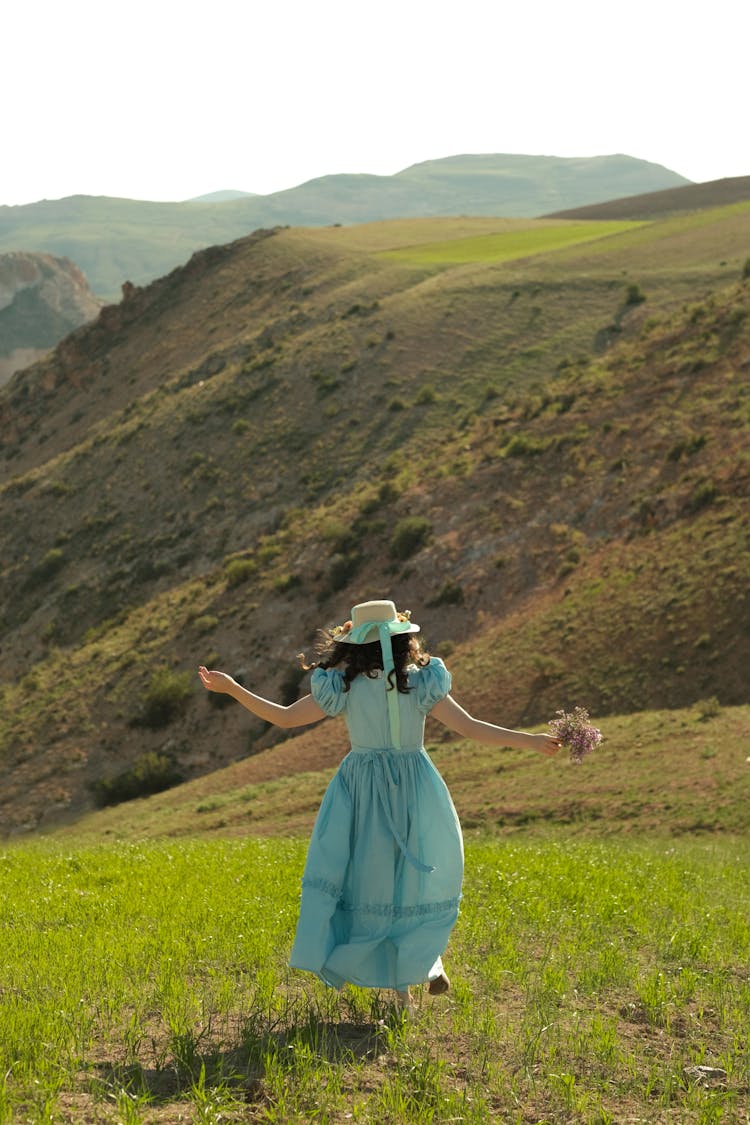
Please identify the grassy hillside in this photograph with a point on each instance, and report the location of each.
(544, 457)
(668, 201)
(114, 240)
(665, 773)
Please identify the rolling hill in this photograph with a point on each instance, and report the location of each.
(660, 204)
(114, 240)
(540, 447)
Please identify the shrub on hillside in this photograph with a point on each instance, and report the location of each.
(450, 593)
(708, 708)
(285, 582)
(150, 773)
(239, 570)
(289, 690)
(426, 396)
(409, 534)
(388, 492)
(205, 623)
(703, 494)
(686, 447)
(525, 445)
(342, 569)
(165, 698)
(52, 562)
(340, 534)
(634, 295)
(325, 382)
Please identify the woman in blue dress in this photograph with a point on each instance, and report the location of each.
(382, 880)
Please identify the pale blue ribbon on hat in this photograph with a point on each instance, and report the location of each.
(357, 636)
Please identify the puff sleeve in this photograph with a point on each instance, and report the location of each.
(327, 689)
(433, 684)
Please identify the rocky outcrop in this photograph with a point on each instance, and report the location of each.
(42, 299)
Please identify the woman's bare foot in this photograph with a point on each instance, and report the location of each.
(439, 985)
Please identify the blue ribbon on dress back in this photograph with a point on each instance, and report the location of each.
(358, 636)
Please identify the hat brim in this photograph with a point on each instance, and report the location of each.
(374, 635)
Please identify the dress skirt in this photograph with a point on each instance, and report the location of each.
(382, 881)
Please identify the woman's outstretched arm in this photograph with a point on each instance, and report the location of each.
(299, 714)
(451, 715)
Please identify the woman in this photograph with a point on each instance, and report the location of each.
(382, 880)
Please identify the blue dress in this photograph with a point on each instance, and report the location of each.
(382, 881)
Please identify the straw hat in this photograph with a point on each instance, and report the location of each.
(368, 618)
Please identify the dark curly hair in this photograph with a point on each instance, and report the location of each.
(367, 660)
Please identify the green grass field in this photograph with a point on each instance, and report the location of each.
(147, 982)
(519, 241)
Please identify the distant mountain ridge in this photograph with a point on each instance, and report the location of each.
(224, 196)
(117, 240)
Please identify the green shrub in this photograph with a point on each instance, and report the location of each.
(165, 698)
(285, 582)
(342, 568)
(325, 382)
(450, 593)
(426, 396)
(388, 492)
(339, 533)
(289, 690)
(205, 623)
(150, 773)
(746, 269)
(523, 445)
(634, 295)
(239, 570)
(704, 494)
(686, 447)
(708, 708)
(370, 505)
(268, 551)
(409, 534)
(396, 404)
(52, 562)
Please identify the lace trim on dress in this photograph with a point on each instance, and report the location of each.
(383, 909)
(323, 885)
(388, 910)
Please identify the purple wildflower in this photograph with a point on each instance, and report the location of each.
(576, 733)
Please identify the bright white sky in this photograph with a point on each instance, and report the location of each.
(155, 99)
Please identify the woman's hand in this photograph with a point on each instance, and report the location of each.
(544, 743)
(216, 681)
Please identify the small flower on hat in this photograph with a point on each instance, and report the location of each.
(405, 615)
(341, 630)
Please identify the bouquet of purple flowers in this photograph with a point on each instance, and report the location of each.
(576, 733)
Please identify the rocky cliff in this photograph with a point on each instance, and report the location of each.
(42, 299)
